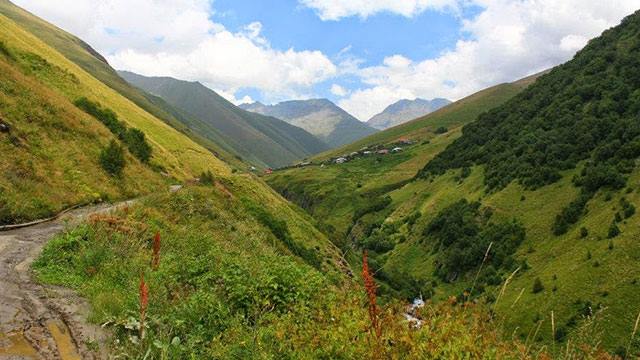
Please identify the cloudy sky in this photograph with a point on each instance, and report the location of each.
(361, 54)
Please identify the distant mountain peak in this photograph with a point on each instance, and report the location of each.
(321, 117)
(405, 110)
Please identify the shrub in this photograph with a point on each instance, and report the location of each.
(207, 178)
(441, 130)
(584, 232)
(112, 159)
(138, 145)
(133, 138)
(571, 214)
(613, 230)
(537, 286)
(105, 116)
(628, 209)
(4, 50)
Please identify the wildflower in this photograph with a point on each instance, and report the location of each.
(144, 302)
(370, 287)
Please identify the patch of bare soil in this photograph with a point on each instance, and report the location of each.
(38, 321)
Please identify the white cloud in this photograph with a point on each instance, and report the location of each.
(339, 91)
(177, 38)
(365, 103)
(337, 9)
(508, 40)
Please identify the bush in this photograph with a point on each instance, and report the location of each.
(207, 178)
(105, 116)
(112, 159)
(584, 232)
(614, 230)
(628, 209)
(571, 214)
(133, 138)
(4, 50)
(138, 145)
(537, 286)
(441, 130)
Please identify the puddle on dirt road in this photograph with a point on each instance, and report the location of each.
(64, 342)
(15, 344)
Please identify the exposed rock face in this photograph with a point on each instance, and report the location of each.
(405, 110)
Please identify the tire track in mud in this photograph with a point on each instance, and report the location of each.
(39, 321)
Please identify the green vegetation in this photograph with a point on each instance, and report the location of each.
(225, 290)
(583, 110)
(559, 158)
(52, 150)
(262, 140)
(112, 159)
(133, 138)
(464, 234)
(81, 54)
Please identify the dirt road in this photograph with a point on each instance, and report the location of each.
(43, 322)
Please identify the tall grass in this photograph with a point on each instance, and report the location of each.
(155, 260)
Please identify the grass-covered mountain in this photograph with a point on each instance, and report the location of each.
(259, 139)
(405, 110)
(320, 117)
(82, 55)
(530, 206)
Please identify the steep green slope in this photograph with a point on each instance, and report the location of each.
(556, 162)
(93, 63)
(52, 149)
(262, 139)
(320, 117)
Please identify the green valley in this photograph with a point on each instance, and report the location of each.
(142, 218)
(526, 201)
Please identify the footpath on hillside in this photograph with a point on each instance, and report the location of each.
(39, 321)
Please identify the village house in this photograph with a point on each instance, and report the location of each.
(341, 160)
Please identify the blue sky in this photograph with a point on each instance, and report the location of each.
(287, 24)
(362, 54)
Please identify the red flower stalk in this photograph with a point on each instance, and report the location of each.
(155, 262)
(144, 302)
(370, 287)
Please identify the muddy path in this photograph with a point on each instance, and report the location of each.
(37, 321)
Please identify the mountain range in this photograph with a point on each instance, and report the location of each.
(320, 117)
(259, 139)
(405, 110)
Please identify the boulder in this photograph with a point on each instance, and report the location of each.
(4, 127)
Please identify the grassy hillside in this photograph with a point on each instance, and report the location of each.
(263, 140)
(227, 287)
(52, 148)
(94, 64)
(530, 208)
